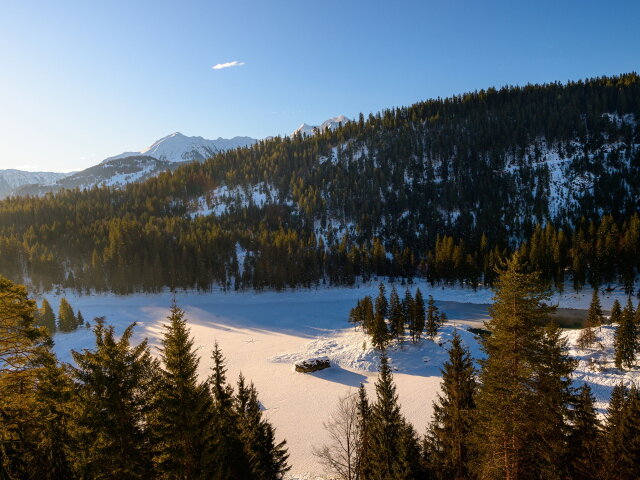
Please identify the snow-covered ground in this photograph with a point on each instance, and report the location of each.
(264, 334)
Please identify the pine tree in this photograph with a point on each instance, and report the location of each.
(267, 459)
(364, 469)
(67, 321)
(506, 442)
(409, 313)
(80, 319)
(379, 331)
(612, 431)
(594, 319)
(116, 385)
(368, 317)
(433, 318)
(419, 312)
(356, 315)
(396, 318)
(229, 459)
(446, 443)
(616, 312)
(629, 452)
(392, 444)
(182, 418)
(583, 441)
(626, 339)
(46, 317)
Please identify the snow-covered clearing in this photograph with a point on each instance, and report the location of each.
(263, 334)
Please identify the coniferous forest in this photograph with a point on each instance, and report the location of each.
(443, 190)
(121, 412)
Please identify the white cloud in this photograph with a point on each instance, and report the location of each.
(220, 66)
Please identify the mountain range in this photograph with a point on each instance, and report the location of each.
(164, 154)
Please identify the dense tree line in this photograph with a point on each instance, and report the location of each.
(120, 413)
(517, 417)
(441, 189)
(386, 320)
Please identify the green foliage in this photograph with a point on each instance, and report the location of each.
(447, 441)
(117, 382)
(67, 320)
(182, 419)
(626, 340)
(524, 377)
(46, 317)
(421, 186)
(584, 438)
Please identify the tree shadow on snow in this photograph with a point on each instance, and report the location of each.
(337, 374)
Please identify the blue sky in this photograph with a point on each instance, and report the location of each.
(81, 81)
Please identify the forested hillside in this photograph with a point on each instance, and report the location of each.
(441, 189)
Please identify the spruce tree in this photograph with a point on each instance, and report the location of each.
(267, 458)
(396, 318)
(628, 464)
(626, 339)
(228, 455)
(80, 319)
(116, 385)
(612, 431)
(409, 313)
(584, 453)
(616, 312)
(433, 318)
(379, 331)
(446, 442)
(182, 418)
(594, 319)
(420, 320)
(506, 442)
(67, 321)
(46, 317)
(364, 469)
(393, 446)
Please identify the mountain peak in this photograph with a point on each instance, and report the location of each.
(331, 124)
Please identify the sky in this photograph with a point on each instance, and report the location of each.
(81, 81)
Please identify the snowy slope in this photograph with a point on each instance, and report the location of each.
(11, 179)
(164, 154)
(177, 147)
(263, 334)
(331, 124)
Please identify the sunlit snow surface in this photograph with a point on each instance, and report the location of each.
(263, 334)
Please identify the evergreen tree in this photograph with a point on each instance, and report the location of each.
(379, 331)
(364, 467)
(446, 443)
(229, 459)
(626, 339)
(612, 432)
(392, 452)
(116, 384)
(396, 318)
(409, 313)
(67, 321)
(368, 317)
(46, 317)
(629, 452)
(267, 459)
(583, 441)
(419, 312)
(182, 418)
(594, 319)
(616, 312)
(506, 443)
(80, 319)
(433, 318)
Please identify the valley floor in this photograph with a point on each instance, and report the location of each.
(263, 334)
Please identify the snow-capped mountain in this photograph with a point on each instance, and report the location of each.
(180, 148)
(11, 179)
(164, 154)
(331, 124)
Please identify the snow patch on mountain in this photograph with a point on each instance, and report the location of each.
(331, 124)
(177, 147)
(11, 179)
(223, 199)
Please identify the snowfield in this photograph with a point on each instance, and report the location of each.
(263, 334)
